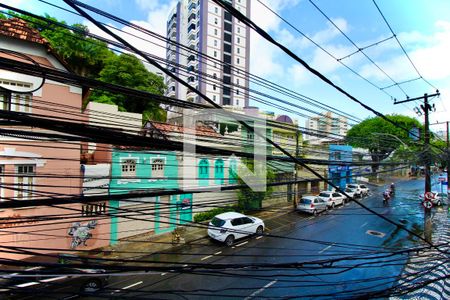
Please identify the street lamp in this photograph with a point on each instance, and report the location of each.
(391, 135)
(394, 136)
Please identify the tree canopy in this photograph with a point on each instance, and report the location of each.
(92, 58)
(126, 70)
(381, 137)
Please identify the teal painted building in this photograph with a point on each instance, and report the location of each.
(140, 171)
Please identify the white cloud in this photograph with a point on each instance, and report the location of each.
(155, 22)
(428, 53)
(329, 33)
(264, 57)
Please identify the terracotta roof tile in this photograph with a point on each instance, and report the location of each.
(200, 130)
(19, 29)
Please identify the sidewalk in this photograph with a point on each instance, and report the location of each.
(147, 244)
(429, 265)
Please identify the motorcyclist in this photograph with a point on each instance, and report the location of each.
(392, 187)
(386, 195)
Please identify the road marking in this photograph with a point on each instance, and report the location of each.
(206, 257)
(132, 285)
(259, 237)
(184, 266)
(34, 268)
(53, 279)
(326, 248)
(261, 290)
(242, 244)
(217, 253)
(162, 274)
(363, 225)
(27, 284)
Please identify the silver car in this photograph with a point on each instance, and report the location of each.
(312, 205)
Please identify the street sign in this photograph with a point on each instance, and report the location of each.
(427, 204)
(441, 179)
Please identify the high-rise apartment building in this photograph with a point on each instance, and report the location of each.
(328, 126)
(216, 57)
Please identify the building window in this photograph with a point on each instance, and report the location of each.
(239, 30)
(215, 31)
(203, 172)
(214, 98)
(214, 87)
(215, 21)
(129, 168)
(238, 40)
(238, 50)
(25, 175)
(15, 102)
(238, 61)
(215, 43)
(215, 53)
(216, 10)
(237, 102)
(237, 92)
(218, 171)
(158, 168)
(237, 81)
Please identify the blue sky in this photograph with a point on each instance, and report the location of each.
(422, 26)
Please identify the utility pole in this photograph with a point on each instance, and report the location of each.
(448, 151)
(426, 108)
(297, 154)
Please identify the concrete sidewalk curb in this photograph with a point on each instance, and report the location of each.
(163, 242)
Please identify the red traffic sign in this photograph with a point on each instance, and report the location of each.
(427, 204)
(429, 196)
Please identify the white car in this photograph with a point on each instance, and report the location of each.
(312, 205)
(437, 198)
(230, 226)
(352, 193)
(361, 189)
(332, 198)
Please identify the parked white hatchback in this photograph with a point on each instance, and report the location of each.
(230, 226)
(332, 198)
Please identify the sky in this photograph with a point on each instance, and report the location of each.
(421, 26)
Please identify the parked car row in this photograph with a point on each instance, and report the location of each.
(230, 226)
(330, 199)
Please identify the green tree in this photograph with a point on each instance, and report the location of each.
(84, 55)
(381, 137)
(126, 70)
(249, 199)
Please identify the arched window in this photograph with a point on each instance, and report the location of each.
(203, 172)
(218, 171)
(232, 172)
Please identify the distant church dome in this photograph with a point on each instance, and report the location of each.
(284, 119)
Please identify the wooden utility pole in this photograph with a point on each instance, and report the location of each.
(426, 108)
(448, 150)
(297, 154)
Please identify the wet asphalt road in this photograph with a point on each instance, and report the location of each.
(360, 243)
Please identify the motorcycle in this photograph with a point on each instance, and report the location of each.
(386, 197)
